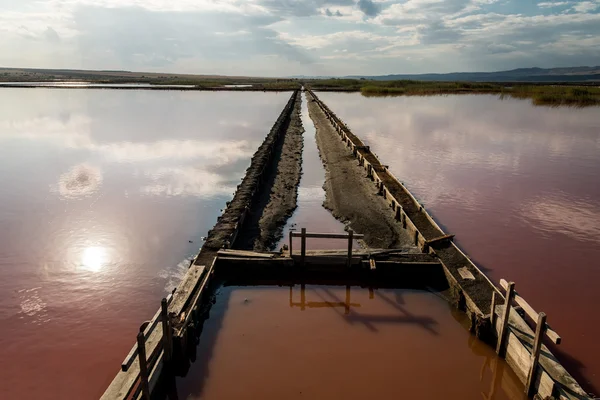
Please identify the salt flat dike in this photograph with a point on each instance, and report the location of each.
(267, 196)
(363, 193)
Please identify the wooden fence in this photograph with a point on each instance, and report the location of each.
(303, 235)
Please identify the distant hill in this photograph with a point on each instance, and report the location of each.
(573, 74)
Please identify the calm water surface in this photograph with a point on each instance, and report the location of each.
(517, 184)
(102, 192)
(341, 343)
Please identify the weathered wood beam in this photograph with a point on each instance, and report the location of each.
(550, 333)
(439, 239)
(315, 235)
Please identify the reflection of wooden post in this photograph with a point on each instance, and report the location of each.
(141, 342)
(510, 294)
(350, 234)
(371, 294)
(302, 297)
(540, 331)
(347, 309)
(303, 246)
(164, 316)
(291, 238)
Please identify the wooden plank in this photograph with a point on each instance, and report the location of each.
(372, 264)
(244, 253)
(315, 235)
(327, 260)
(550, 333)
(143, 366)
(439, 239)
(492, 308)
(524, 335)
(350, 234)
(465, 274)
(535, 354)
(510, 293)
(186, 288)
(123, 383)
(153, 323)
(194, 301)
(302, 245)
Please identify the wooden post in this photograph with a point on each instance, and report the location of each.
(167, 344)
(350, 235)
(540, 331)
(510, 294)
(303, 246)
(291, 239)
(493, 311)
(141, 342)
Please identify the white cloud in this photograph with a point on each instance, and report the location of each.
(586, 6)
(286, 37)
(550, 4)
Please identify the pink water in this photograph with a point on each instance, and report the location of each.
(517, 184)
(102, 192)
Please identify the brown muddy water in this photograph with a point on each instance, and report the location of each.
(341, 343)
(517, 184)
(102, 192)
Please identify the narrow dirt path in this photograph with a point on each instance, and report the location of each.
(349, 196)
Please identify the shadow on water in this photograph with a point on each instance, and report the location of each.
(171, 386)
(194, 380)
(191, 379)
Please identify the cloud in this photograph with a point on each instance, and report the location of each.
(261, 37)
(187, 181)
(550, 4)
(51, 35)
(330, 13)
(586, 6)
(368, 7)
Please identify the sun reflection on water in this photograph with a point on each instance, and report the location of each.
(94, 258)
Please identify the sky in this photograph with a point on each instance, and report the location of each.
(299, 37)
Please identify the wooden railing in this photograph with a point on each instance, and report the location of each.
(542, 329)
(303, 235)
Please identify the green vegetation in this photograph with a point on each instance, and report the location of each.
(557, 95)
(542, 94)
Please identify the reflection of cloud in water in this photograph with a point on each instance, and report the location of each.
(74, 133)
(577, 219)
(175, 275)
(313, 193)
(81, 180)
(187, 181)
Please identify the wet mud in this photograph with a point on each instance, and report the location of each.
(350, 197)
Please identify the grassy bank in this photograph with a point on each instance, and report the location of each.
(540, 94)
(127, 77)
